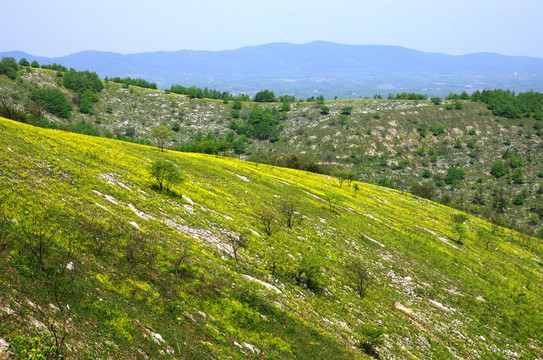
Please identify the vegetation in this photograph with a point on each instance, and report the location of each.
(55, 101)
(127, 81)
(130, 269)
(381, 141)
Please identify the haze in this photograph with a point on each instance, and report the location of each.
(61, 27)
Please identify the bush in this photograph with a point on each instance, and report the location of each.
(54, 99)
(435, 100)
(371, 338)
(386, 182)
(265, 96)
(9, 67)
(346, 110)
(437, 130)
(498, 169)
(517, 177)
(454, 175)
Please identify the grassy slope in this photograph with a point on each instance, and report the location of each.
(373, 148)
(432, 298)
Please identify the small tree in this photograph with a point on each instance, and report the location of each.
(435, 100)
(309, 272)
(288, 210)
(165, 173)
(356, 188)
(325, 110)
(459, 228)
(236, 242)
(333, 200)
(371, 338)
(267, 219)
(161, 134)
(359, 277)
(346, 110)
(24, 62)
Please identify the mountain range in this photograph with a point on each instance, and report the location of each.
(331, 69)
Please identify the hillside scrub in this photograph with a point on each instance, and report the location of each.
(154, 273)
(380, 139)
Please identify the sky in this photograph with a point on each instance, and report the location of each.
(60, 27)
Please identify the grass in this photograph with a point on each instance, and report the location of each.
(155, 273)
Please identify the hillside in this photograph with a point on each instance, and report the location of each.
(91, 250)
(390, 142)
(346, 71)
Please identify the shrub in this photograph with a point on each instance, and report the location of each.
(325, 110)
(437, 130)
(371, 338)
(516, 177)
(54, 99)
(516, 161)
(9, 67)
(454, 175)
(346, 110)
(498, 169)
(435, 100)
(165, 173)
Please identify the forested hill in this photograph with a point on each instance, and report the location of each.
(331, 69)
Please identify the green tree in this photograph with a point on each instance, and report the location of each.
(459, 228)
(24, 62)
(9, 67)
(346, 110)
(35, 64)
(325, 110)
(435, 100)
(356, 188)
(517, 177)
(454, 175)
(161, 134)
(265, 96)
(285, 106)
(165, 173)
(333, 200)
(498, 169)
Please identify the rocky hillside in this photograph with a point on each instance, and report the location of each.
(408, 145)
(243, 260)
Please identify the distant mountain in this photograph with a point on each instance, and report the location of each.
(314, 68)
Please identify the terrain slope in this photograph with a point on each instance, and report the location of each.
(95, 259)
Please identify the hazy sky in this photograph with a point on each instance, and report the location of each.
(62, 27)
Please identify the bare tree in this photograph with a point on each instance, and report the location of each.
(236, 241)
(288, 210)
(53, 267)
(359, 276)
(268, 219)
